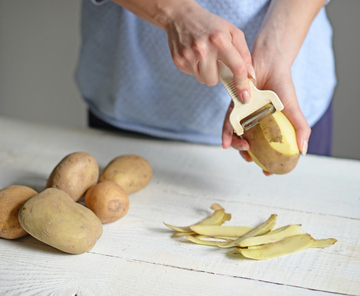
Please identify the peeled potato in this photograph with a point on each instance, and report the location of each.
(131, 172)
(108, 201)
(75, 174)
(11, 200)
(273, 144)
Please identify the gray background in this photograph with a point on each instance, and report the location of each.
(39, 45)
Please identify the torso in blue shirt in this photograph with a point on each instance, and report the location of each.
(127, 77)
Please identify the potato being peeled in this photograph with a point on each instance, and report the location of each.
(273, 144)
(131, 172)
(108, 201)
(75, 174)
(11, 200)
(55, 219)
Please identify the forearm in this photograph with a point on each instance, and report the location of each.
(198, 39)
(286, 25)
(157, 12)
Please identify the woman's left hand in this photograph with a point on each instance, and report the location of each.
(273, 72)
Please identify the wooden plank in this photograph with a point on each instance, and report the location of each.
(335, 269)
(141, 237)
(39, 270)
(322, 193)
(314, 186)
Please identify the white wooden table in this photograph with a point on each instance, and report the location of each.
(137, 255)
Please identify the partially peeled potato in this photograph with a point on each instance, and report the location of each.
(273, 145)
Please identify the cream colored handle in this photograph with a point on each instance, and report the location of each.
(259, 98)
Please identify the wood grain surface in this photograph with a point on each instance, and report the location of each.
(137, 255)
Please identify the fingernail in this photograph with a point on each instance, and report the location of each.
(245, 97)
(242, 148)
(304, 148)
(251, 71)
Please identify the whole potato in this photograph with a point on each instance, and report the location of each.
(11, 200)
(75, 174)
(108, 201)
(131, 172)
(55, 219)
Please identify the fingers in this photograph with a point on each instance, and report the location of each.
(246, 156)
(239, 143)
(234, 61)
(293, 112)
(239, 42)
(301, 126)
(238, 58)
(203, 40)
(228, 136)
(230, 139)
(227, 131)
(208, 70)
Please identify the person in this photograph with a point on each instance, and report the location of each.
(150, 66)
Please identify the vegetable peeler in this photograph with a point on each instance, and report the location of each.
(245, 116)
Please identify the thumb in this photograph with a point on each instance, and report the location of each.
(302, 129)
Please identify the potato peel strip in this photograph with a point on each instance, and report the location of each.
(260, 242)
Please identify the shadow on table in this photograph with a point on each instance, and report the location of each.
(25, 178)
(31, 244)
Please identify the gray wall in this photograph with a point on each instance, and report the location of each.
(344, 16)
(39, 44)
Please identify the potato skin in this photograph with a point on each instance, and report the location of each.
(108, 201)
(55, 219)
(131, 172)
(11, 200)
(262, 138)
(74, 174)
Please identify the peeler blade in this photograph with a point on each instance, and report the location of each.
(245, 116)
(255, 119)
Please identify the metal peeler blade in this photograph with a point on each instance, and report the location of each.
(246, 116)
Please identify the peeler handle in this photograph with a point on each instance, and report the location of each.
(259, 98)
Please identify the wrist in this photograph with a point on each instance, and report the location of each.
(273, 42)
(267, 54)
(160, 13)
(168, 11)
(285, 27)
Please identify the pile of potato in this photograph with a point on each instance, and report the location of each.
(55, 216)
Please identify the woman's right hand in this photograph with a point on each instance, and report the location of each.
(198, 39)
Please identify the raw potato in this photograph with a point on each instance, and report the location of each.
(55, 219)
(75, 174)
(273, 144)
(11, 200)
(131, 172)
(108, 201)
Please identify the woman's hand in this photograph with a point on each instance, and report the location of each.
(274, 51)
(198, 39)
(273, 72)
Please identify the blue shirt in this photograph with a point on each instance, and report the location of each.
(127, 77)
